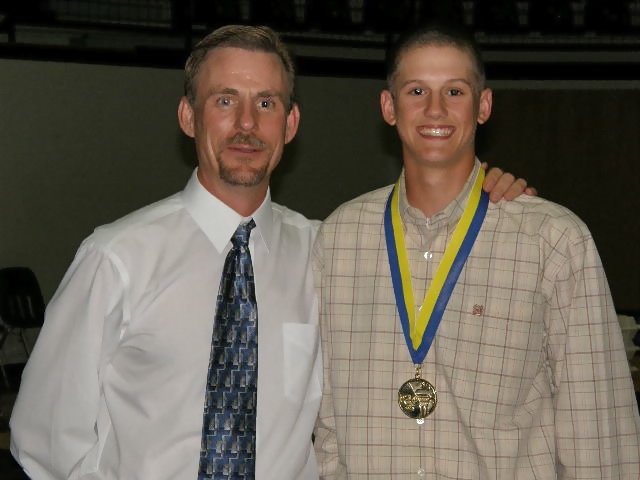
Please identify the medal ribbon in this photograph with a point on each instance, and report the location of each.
(420, 334)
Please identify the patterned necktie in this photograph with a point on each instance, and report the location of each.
(228, 448)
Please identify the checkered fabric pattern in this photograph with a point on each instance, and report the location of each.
(528, 361)
(229, 428)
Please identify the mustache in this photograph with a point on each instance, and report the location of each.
(245, 139)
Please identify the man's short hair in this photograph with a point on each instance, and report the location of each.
(261, 39)
(441, 35)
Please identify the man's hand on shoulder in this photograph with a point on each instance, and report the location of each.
(499, 184)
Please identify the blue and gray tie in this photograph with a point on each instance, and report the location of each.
(228, 448)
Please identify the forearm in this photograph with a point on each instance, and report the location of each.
(326, 444)
(53, 422)
(597, 423)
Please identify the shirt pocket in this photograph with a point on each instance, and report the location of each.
(302, 367)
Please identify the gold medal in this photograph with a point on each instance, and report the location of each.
(417, 398)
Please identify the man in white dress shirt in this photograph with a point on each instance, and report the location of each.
(115, 385)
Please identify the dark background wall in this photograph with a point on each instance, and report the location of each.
(81, 145)
(582, 149)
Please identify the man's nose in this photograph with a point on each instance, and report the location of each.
(246, 116)
(435, 105)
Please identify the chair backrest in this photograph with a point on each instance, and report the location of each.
(21, 303)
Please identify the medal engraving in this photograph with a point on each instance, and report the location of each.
(417, 398)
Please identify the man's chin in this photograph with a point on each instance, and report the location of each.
(243, 178)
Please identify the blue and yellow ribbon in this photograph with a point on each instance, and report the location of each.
(419, 334)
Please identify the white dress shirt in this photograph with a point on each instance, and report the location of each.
(115, 386)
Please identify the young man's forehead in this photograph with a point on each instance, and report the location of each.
(434, 46)
(473, 77)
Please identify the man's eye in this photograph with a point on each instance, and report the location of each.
(416, 91)
(454, 92)
(267, 103)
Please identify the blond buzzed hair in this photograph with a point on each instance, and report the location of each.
(440, 35)
(261, 39)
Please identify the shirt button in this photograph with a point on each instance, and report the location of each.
(428, 255)
(422, 473)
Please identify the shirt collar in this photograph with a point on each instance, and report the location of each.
(447, 216)
(218, 221)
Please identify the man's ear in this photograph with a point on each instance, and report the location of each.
(484, 108)
(387, 107)
(186, 117)
(293, 120)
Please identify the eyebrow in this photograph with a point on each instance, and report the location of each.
(233, 91)
(270, 93)
(451, 80)
(222, 91)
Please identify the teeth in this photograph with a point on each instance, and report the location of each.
(436, 132)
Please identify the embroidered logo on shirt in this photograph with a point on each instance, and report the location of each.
(478, 310)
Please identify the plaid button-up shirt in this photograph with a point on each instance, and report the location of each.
(528, 362)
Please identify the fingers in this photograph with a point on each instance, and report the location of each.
(491, 179)
(500, 184)
(515, 189)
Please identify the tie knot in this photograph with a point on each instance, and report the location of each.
(241, 235)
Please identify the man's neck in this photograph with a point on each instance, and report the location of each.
(431, 189)
(241, 199)
(245, 205)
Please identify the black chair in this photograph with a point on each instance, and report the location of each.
(21, 306)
